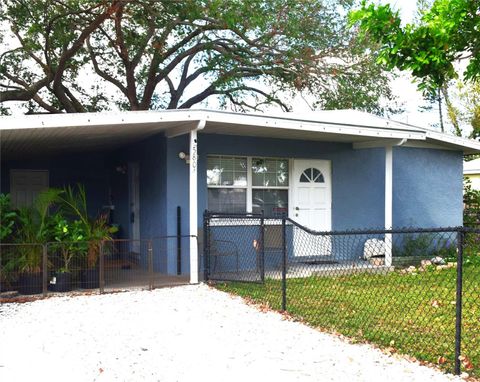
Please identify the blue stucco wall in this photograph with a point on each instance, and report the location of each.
(358, 176)
(427, 184)
(427, 187)
(90, 170)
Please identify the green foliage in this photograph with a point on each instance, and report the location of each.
(34, 222)
(71, 237)
(414, 245)
(446, 32)
(58, 216)
(73, 205)
(177, 54)
(34, 227)
(410, 314)
(471, 202)
(7, 217)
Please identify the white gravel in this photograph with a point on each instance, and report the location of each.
(190, 333)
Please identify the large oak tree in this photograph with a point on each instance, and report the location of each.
(89, 55)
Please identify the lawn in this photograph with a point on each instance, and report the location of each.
(410, 313)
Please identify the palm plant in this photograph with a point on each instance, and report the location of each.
(73, 203)
(34, 228)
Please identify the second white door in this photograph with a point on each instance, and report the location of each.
(312, 194)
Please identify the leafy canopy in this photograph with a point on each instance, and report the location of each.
(447, 32)
(89, 55)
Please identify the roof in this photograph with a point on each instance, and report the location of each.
(30, 134)
(471, 167)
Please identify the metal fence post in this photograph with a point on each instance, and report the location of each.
(179, 240)
(206, 245)
(44, 269)
(262, 248)
(101, 272)
(150, 265)
(284, 263)
(458, 310)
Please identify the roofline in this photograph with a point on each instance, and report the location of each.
(468, 146)
(185, 115)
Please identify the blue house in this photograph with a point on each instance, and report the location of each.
(328, 170)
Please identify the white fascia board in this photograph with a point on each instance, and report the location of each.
(144, 117)
(379, 143)
(185, 128)
(97, 119)
(320, 127)
(469, 146)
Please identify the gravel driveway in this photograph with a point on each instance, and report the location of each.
(190, 333)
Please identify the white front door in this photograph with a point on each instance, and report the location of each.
(312, 194)
(312, 206)
(25, 185)
(134, 201)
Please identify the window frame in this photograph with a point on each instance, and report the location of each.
(249, 187)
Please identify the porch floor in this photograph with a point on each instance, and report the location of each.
(303, 270)
(124, 279)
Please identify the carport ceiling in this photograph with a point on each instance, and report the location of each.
(32, 142)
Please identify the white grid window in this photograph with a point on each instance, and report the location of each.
(245, 184)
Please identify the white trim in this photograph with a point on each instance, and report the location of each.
(193, 202)
(285, 121)
(291, 193)
(249, 185)
(181, 121)
(471, 172)
(182, 129)
(388, 203)
(458, 141)
(378, 143)
(426, 145)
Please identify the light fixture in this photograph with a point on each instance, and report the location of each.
(122, 169)
(184, 156)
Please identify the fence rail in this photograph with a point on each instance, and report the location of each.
(412, 290)
(55, 267)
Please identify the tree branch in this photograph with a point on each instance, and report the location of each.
(69, 53)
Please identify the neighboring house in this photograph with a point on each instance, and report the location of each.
(331, 170)
(471, 170)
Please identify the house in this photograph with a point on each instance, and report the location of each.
(471, 170)
(329, 170)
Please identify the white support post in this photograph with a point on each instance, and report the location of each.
(388, 203)
(193, 204)
(193, 223)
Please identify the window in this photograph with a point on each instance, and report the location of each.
(227, 184)
(312, 175)
(241, 184)
(270, 186)
(25, 185)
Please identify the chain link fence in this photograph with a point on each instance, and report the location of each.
(411, 291)
(29, 271)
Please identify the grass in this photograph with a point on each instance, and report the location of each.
(410, 313)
